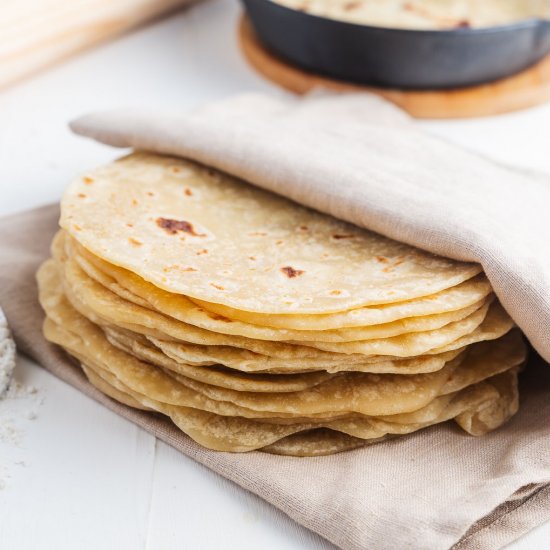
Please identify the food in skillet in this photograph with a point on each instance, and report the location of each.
(424, 14)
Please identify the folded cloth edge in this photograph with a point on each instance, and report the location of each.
(228, 135)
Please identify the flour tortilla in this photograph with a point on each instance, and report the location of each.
(290, 358)
(220, 432)
(369, 395)
(132, 288)
(487, 415)
(315, 442)
(246, 361)
(93, 300)
(213, 374)
(197, 232)
(393, 396)
(451, 299)
(227, 426)
(193, 361)
(482, 361)
(240, 435)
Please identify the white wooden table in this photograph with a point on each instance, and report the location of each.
(79, 476)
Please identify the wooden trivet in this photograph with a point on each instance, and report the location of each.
(526, 89)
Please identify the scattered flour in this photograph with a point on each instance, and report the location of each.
(18, 406)
(7, 354)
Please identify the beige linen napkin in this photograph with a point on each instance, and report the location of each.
(431, 490)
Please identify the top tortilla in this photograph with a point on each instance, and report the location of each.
(194, 231)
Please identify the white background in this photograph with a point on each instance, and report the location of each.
(79, 476)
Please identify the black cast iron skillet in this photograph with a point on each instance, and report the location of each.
(398, 58)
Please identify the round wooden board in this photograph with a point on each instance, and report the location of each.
(526, 89)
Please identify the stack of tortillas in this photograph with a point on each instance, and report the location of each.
(255, 323)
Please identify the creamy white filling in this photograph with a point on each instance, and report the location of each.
(425, 14)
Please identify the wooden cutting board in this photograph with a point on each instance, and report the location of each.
(37, 33)
(526, 89)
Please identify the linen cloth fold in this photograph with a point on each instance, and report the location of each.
(362, 160)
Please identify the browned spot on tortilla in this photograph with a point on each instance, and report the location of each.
(129, 225)
(135, 242)
(335, 292)
(77, 227)
(188, 192)
(258, 234)
(217, 317)
(464, 24)
(382, 259)
(253, 258)
(82, 196)
(290, 272)
(279, 243)
(304, 228)
(343, 236)
(201, 252)
(398, 260)
(217, 286)
(177, 267)
(150, 193)
(351, 6)
(134, 202)
(87, 180)
(172, 227)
